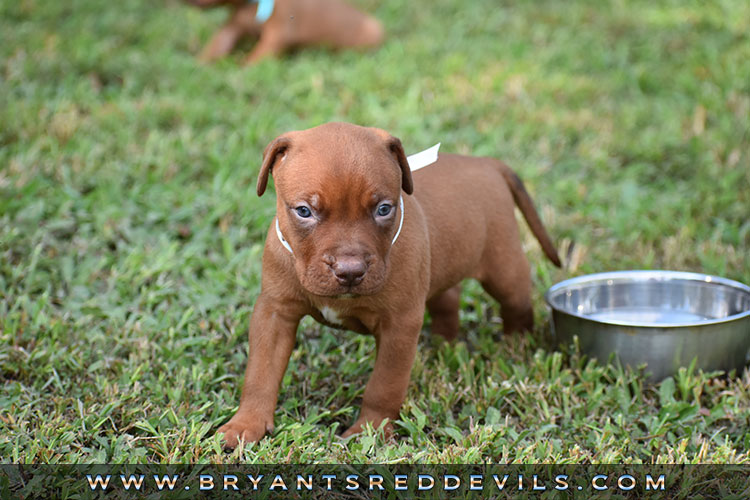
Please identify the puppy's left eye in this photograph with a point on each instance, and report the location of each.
(303, 211)
(384, 209)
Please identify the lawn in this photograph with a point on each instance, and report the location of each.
(131, 236)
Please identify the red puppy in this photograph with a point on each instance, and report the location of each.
(284, 24)
(351, 248)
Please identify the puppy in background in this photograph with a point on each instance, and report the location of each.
(281, 25)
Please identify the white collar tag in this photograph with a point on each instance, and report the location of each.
(423, 158)
(416, 161)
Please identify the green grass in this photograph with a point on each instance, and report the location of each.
(131, 237)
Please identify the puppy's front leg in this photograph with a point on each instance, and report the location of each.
(386, 390)
(221, 43)
(271, 338)
(270, 44)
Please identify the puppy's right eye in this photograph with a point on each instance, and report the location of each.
(303, 211)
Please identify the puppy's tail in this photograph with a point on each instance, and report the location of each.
(526, 205)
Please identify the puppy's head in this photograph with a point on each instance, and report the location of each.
(338, 188)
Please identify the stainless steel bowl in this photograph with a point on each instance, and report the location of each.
(661, 318)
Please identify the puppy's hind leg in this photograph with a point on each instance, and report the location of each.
(507, 278)
(443, 310)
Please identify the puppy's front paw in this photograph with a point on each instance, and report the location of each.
(207, 57)
(238, 429)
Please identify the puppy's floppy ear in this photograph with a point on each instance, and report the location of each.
(397, 150)
(273, 152)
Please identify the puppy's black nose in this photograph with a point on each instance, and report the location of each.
(349, 271)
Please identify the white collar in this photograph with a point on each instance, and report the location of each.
(401, 221)
(395, 237)
(281, 237)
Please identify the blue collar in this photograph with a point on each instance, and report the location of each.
(265, 9)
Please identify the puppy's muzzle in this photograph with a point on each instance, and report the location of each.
(349, 271)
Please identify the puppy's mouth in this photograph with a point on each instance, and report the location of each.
(347, 284)
(342, 296)
(343, 292)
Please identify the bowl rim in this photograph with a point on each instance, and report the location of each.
(640, 275)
